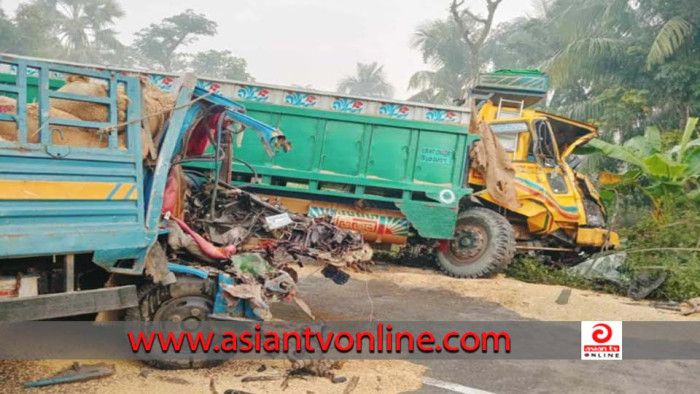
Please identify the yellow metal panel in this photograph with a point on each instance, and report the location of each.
(596, 237)
(60, 190)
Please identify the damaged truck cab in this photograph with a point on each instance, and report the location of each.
(85, 195)
(559, 208)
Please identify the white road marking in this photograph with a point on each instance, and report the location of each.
(454, 387)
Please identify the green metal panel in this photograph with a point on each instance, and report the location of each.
(431, 220)
(303, 132)
(250, 144)
(388, 157)
(342, 147)
(418, 166)
(32, 85)
(436, 157)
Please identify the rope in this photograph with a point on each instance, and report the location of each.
(185, 105)
(109, 129)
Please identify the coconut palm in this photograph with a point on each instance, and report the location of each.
(369, 81)
(440, 44)
(84, 27)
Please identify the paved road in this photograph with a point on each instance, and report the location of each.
(392, 302)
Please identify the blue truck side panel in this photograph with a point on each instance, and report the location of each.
(57, 199)
(91, 199)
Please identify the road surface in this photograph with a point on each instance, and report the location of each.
(390, 301)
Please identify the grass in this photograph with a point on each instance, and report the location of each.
(532, 270)
(677, 226)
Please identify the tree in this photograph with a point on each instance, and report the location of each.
(36, 31)
(369, 81)
(441, 46)
(453, 47)
(474, 29)
(158, 43)
(82, 27)
(659, 174)
(220, 64)
(8, 32)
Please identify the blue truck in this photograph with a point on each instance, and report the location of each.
(78, 224)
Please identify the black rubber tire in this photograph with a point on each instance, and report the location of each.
(152, 296)
(498, 252)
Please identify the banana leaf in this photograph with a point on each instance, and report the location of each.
(616, 152)
(658, 165)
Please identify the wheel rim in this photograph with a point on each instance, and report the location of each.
(469, 244)
(192, 309)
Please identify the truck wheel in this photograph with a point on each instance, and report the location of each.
(188, 299)
(484, 243)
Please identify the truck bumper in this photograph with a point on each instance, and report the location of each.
(597, 237)
(68, 304)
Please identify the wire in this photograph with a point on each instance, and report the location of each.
(252, 169)
(219, 125)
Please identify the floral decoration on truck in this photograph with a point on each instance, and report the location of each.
(253, 93)
(299, 99)
(394, 110)
(440, 115)
(348, 105)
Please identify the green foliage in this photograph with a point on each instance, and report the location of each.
(664, 173)
(8, 32)
(647, 242)
(677, 227)
(672, 36)
(441, 47)
(453, 48)
(220, 64)
(369, 81)
(77, 30)
(533, 270)
(159, 42)
(83, 31)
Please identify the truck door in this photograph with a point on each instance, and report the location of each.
(555, 182)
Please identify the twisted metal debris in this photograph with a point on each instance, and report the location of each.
(256, 244)
(242, 219)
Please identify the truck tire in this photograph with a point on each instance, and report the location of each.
(187, 299)
(484, 244)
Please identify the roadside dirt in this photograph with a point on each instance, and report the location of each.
(535, 301)
(375, 376)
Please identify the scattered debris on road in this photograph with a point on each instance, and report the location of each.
(563, 298)
(605, 268)
(75, 373)
(610, 268)
(353, 384)
(228, 230)
(685, 308)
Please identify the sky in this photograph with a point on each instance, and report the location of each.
(310, 43)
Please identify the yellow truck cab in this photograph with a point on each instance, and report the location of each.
(560, 209)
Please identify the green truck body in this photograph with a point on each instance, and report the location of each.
(416, 167)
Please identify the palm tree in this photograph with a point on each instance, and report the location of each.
(369, 81)
(84, 27)
(442, 48)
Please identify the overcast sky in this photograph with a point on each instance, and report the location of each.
(308, 42)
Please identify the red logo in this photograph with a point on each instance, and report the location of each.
(602, 334)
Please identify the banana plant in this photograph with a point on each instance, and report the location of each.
(657, 173)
